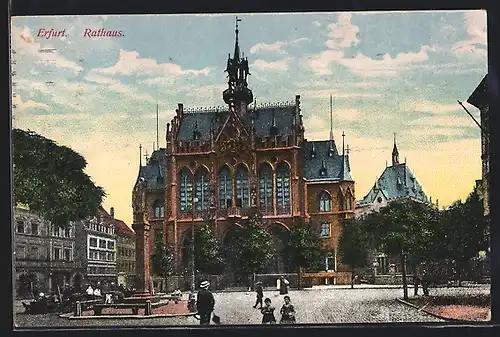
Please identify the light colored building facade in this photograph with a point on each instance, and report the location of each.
(44, 255)
(96, 248)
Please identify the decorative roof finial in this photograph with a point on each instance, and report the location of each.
(331, 118)
(343, 142)
(236, 44)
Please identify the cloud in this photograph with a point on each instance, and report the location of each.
(325, 93)
(116, 86)
(430, 106)
(275, 47)
(317, 23)
(161, 81)
(129, 63)
(22, 43)
(388, 66)
(444, 121)
(475, 26)
(276, 65)
(342, 34)
(321, 63)
(432, 132)
(18, 102)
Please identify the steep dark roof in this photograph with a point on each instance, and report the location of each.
(337, 166)
(154, 170)
(479, 98)
(121, 227)
(263, 120)
(396, 181)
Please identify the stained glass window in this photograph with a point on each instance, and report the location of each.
(283, 189)
(185, 190)
(324, 202)
(225, 188)
(266, 189)
(242, 188)
(202, 191)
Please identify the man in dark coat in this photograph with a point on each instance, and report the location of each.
(283, 285)
(260, 294)
(205, 303)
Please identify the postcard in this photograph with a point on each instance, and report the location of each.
(221, 169)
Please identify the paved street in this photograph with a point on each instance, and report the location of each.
(328, 305)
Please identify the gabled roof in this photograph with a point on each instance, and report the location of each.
(479, 98)
(337, 166)
(396, 181)
(121, 227)
(154, 171)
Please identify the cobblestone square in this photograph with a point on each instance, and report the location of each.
(329, 305)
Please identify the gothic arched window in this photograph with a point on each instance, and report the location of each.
(159, 209)
(225, 188)
(185, 190)
(242, 189)
(266, 189)
(324, 202)
(202, 189)
(283, 189)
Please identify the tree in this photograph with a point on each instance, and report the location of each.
(304, 249)
(355, 245)
(252, 246)
(207, 255)
(162, 260)
(461, 232)
(406, 229)
(51, 181)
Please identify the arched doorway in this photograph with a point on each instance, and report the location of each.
(280, 234)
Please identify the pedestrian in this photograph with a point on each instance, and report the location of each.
(416, 279)
(287, 312)
(205, 303)
(260, 294)
(283, 285)
(425, 279)
(268, 312)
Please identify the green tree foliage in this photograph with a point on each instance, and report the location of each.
(51, 181)
(207, 255)
(252, 246)
(162, 260)
(355, 243)
(404, 227)
(304, 248)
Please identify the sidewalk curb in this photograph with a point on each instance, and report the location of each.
(432, 314)
(139, 317)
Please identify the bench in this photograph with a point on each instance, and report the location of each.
(134, 306)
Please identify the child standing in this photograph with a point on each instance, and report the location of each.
(287, 312)
(268, 312)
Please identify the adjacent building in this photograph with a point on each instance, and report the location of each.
(396, 182)
(44, 255)
(220, 162)
(479, 99)
(96, 248)
(125, 252)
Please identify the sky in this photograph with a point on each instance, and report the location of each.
(388, 72)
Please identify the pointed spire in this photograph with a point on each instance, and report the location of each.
(395, 153)
(331, 118)
(343, 142)
(157, 126)
(236, 44)
(140, 155)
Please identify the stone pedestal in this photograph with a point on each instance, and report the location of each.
(142, 229)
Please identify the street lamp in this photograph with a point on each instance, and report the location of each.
(193, 279)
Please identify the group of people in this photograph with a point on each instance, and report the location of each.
(109, 293)
(205, 303)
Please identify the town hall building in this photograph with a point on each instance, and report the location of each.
(221, 162)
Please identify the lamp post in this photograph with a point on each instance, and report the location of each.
(193, 278)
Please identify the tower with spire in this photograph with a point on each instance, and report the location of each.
(395, 153)
(238, 96)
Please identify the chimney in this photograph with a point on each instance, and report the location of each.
(112, 212)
